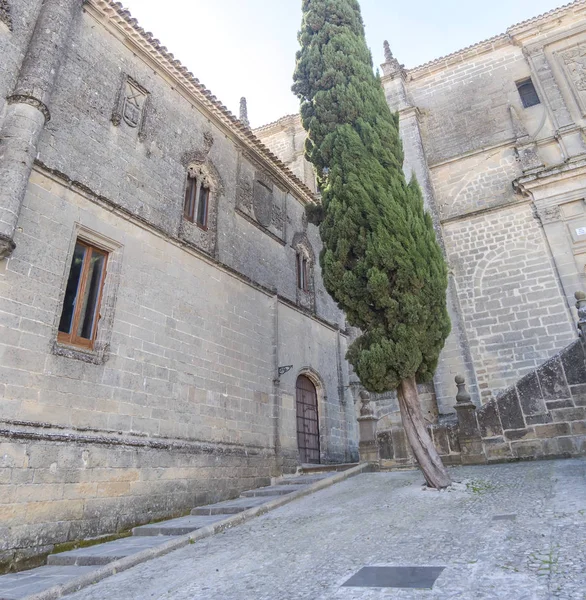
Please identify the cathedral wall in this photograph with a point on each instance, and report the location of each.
(286, 139)
(515, 314)
(465, 106)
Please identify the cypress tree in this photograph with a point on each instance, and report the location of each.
(381, 261)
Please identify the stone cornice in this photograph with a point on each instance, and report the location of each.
(518, 34)
(48, 432)
(529, 184)
(115, 16)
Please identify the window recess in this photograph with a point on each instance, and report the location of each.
(83, 295)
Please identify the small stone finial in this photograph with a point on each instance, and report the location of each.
(462, 397)
(366, 410)
(244, 112)
(392, 66)
(388, 54)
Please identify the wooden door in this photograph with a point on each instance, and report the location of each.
(307, 421)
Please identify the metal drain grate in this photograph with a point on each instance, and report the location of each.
(422, 578)
(504, 518)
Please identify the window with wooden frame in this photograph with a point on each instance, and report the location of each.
(302, 273)
(81, 306)
(197, 200)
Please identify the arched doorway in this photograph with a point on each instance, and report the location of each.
(307, 421)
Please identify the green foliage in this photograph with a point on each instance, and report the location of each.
(381, 261)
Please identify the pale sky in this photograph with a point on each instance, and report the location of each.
(247, 47)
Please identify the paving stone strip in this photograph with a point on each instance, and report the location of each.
(68, 572)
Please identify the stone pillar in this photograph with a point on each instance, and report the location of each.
(28, 110)
(367, 423)
(472, 452)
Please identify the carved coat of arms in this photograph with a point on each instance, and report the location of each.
(133, 106)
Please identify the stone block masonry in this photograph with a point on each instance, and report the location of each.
(177, 400)
(510, 296)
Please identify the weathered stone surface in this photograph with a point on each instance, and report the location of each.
(527, 449)
(440, 439)
(552, 430)
(510, 411)
(530, 395)
(385, 441)
(552, 380)
(489, 421)
(569, 414)
(520, 434)
(574, 364)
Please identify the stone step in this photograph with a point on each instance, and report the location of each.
(231, 507)
(17, 586)
(273, 490)
(102, 554)
(326, 468)
(181, 526)
(303, 479)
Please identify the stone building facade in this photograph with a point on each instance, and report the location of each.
(150, 291)
(495, 136)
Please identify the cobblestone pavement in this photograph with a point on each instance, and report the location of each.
(534, 549)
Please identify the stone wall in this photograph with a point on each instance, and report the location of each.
(180, 402)
(71, 484)
(286, 139)
(542, 416)
(515, 312)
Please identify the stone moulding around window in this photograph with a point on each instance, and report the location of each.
(303, 248)
(201, 168)
(99, 353)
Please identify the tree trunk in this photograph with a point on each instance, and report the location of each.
(425, 452)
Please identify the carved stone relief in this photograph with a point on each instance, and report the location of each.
(200, 167)
(262, 200)
(131, 106)
(549, 214)
(573, 62)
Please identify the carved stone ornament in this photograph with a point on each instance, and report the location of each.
(550, 214)
(131, 106)
(573, 62)
(244, 195)
(278, 218)
(208, 142)
(199, 172)
(262, 201)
